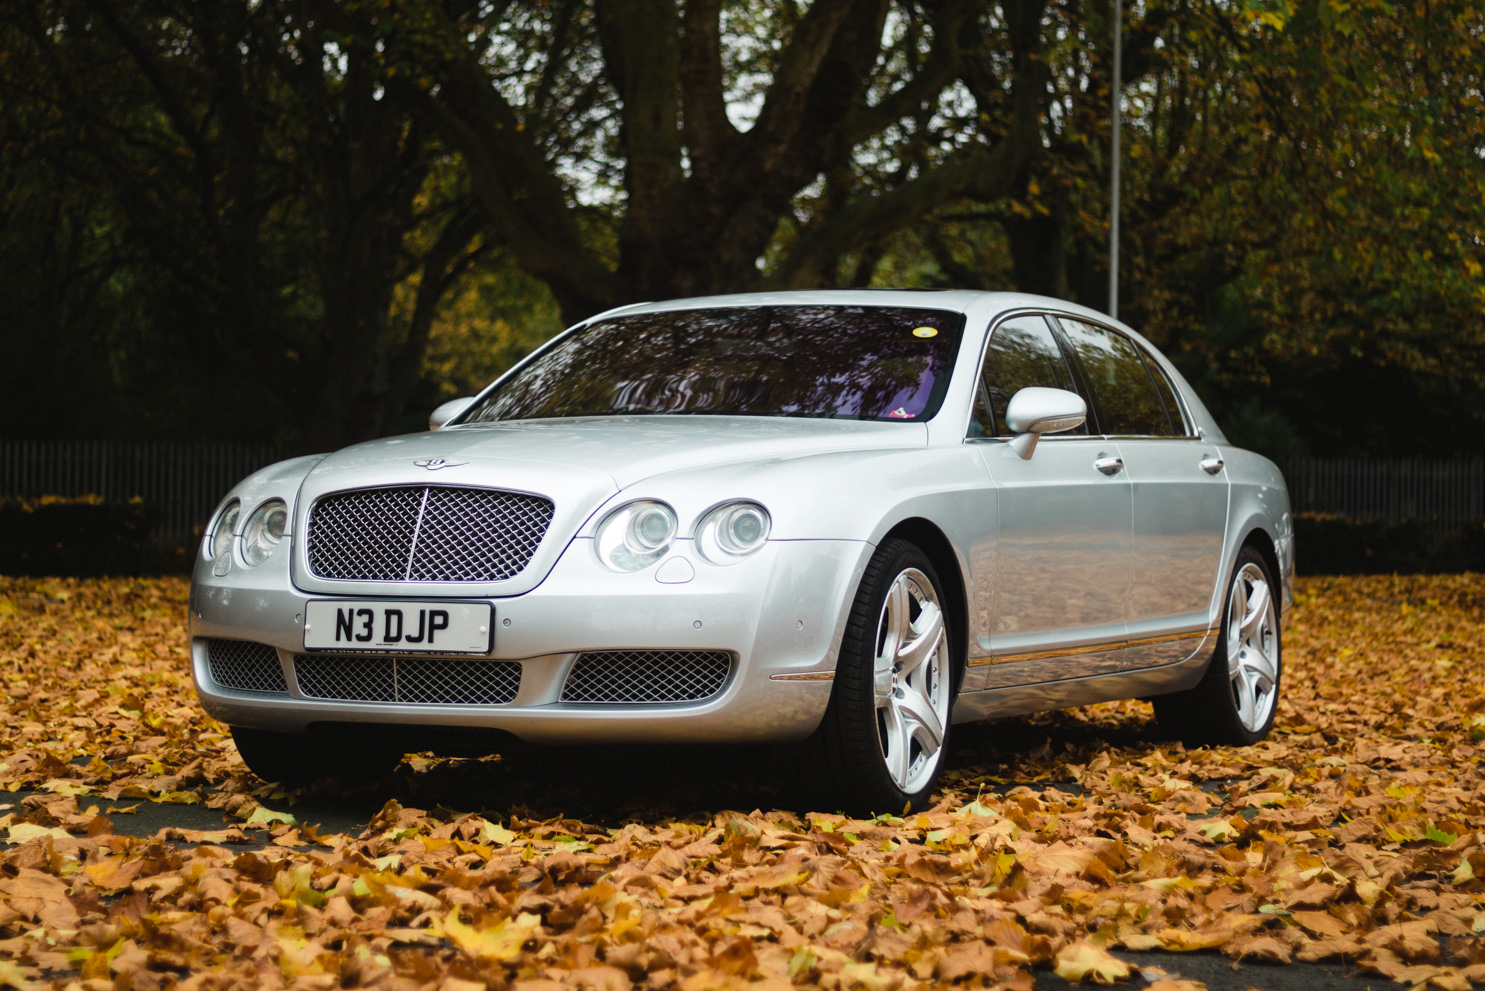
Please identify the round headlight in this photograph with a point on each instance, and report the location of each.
(635, 536)
(221, 534)
(265, 528)
(732, 531)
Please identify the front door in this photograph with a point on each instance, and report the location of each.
(1060, 572)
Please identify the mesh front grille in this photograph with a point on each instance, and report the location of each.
(436, 681)
(638, 676)
(245, 667)
(428, 534)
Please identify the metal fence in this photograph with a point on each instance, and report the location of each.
(180, 483)
(1445, 494)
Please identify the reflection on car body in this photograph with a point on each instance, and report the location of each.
(840, 520)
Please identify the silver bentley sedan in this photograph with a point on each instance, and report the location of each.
(842, 521)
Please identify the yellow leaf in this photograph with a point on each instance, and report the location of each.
(263, 816)
(500, 942)
(493, 832)
(16, 976)
(1082, 961)
(25, 832)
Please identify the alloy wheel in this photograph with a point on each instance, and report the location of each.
(1252, 647)
(911, 680)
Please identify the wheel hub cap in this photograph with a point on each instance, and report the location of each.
(911, 680)
(1252, 647)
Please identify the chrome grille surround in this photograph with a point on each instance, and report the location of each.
(244, 666)
(638, 677)
(416, 680)
(429, 533)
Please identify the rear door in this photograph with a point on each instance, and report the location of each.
(1180, 493)
(1060, 572)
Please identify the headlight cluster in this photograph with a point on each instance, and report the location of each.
(639, 534)
(636, 536)
(265, 528)
(221, 534)
(731, 532)
(263, 532)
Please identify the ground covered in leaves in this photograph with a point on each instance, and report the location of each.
(1353, 834)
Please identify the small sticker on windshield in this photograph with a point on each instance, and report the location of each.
(901, 414)
(925, 331)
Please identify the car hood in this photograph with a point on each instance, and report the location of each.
(626, 448)
(577, 463)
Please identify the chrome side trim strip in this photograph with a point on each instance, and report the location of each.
(1173, 638)
(1089, 648)
(807, 676)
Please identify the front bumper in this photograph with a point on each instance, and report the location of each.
(780, 614)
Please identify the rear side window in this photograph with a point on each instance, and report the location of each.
(1128, 403)
(1022, 353)
(1167, 394)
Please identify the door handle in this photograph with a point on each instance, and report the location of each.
(1211, 465)
(1109, 466)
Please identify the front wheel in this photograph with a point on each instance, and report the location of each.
(1236, 700)
(881, 743)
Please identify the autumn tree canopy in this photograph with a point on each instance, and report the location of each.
(309, 221)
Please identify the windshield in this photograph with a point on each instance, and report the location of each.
(846, 362)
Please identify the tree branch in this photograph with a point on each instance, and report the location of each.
(516, 186)
(787, 97)
(705, 127)
(972, 172)
(443, 263)
(641, 49)
(942, 66)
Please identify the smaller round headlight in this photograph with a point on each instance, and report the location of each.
(264, 530)
(635, 536)
(221, 534)
(732, 531)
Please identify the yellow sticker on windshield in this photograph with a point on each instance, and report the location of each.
(925, 331)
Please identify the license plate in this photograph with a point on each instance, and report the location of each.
(441, 627)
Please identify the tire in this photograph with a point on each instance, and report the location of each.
(289, 759)
(1237, 698)
(881, 743)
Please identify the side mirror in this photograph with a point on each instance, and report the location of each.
(448, 411)
(1034, 411)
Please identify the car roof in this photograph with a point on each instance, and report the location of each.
(956, 300)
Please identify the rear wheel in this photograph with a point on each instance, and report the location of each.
(880, 746)
(293, 760)
(1236, 700)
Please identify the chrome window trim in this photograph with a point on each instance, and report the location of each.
(1186, 419)
(980, 377)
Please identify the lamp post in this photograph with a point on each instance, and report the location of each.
(1114, 156)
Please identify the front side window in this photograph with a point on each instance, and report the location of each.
(1123, 391)
(841, 362)
(1022, 353)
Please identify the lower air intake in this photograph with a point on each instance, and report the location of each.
(647, 676)
(422, 680)
(245, 667)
